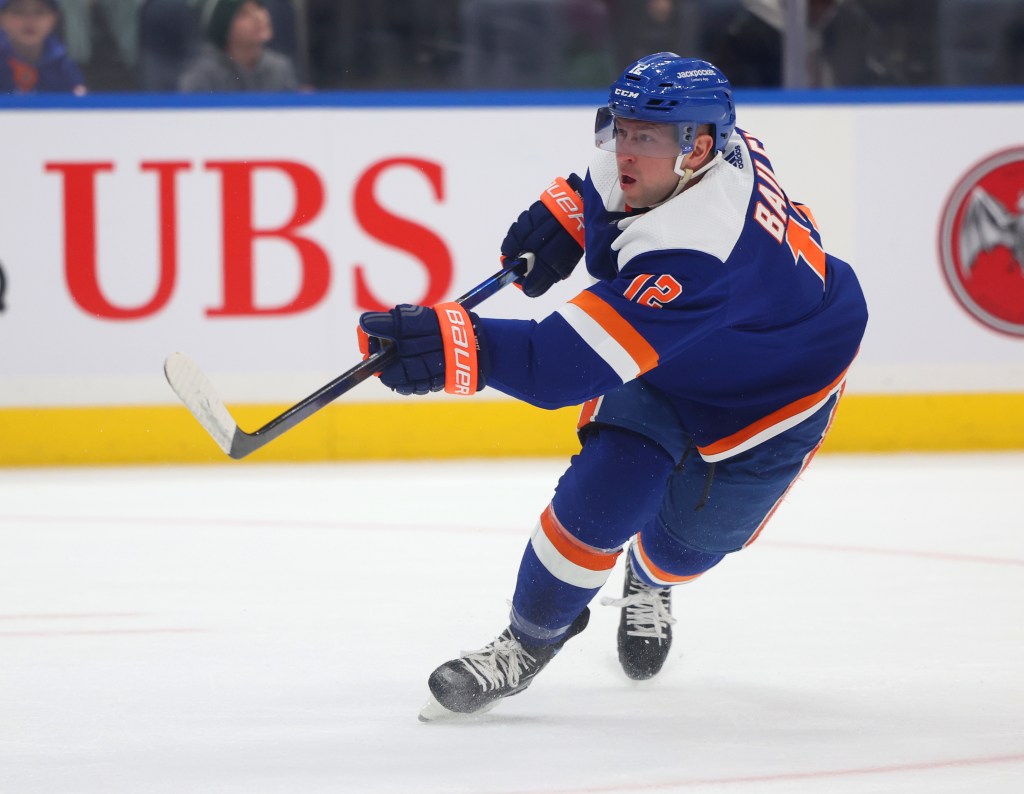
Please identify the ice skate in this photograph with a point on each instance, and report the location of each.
(645, 628)
(475, 682)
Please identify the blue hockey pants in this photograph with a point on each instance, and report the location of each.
(680, 515)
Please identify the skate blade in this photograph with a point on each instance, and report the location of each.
(433, 711)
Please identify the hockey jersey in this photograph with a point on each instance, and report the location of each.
(722, 297)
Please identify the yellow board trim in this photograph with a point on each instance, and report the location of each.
(462, 429)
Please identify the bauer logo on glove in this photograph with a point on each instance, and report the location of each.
(460, 358)
(437, 348)
(566, 205)
(552, 231)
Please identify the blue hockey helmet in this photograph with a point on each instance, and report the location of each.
(666, 88)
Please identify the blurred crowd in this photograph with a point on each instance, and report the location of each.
(293, 45)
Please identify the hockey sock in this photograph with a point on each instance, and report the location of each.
(661, 560)
(612, 488)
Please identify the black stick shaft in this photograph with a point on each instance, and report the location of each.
(244, 443)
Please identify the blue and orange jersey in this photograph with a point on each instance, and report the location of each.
(55, 72)
(723, 298)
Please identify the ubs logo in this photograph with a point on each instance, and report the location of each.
(981, 241)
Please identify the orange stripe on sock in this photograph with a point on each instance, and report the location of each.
(574, 550)
(660, 573)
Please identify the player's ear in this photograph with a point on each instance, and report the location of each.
(703, 150)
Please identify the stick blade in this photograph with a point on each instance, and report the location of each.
(196, 391)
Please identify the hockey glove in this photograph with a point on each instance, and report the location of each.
(552, 230)
(438, 348)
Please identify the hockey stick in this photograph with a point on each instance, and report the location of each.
(197, 392)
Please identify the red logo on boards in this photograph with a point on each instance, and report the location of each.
(241, 234)
(981, 241)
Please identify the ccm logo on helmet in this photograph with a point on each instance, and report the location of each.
(627, 94)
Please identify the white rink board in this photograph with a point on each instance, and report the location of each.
(876, 180)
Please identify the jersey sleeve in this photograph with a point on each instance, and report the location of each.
(610, 333)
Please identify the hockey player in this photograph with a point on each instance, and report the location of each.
(709, 356)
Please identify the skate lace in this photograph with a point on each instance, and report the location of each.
(503, 662)
(647, 610)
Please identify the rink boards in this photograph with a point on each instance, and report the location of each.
(252, 234)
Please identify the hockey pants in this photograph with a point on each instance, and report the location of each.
(679, 519)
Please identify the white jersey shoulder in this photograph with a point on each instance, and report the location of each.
(708, 217)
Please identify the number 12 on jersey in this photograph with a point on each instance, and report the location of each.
(664, 290)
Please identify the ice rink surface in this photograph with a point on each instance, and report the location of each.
(264, 629)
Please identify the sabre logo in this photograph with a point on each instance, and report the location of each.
(627, 94)
(981, 242)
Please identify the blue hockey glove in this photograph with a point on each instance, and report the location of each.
(552, 230)
(438, 348)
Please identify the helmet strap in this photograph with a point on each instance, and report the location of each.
(687, 174)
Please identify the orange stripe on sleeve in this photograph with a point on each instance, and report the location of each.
(613, 324)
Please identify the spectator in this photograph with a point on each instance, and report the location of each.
(641, 27)
(285, 24)
(169, 40)
(749, 49)
(846, 46)
(588, 58)
(236, 57)
(32, 57)
(108, 30)
(1013, 50)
